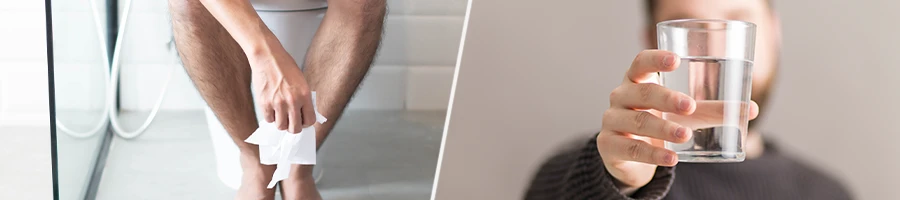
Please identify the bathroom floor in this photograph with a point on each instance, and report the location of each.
(369, 155)
(77, 155)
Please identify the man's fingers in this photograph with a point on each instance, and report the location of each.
(309, 113)
(624, 148)
(281, 114)
(268, 112)
(295, 118)
(711, 113)
(651, 96)
(644, 124)
(754, 110)
(648, 62)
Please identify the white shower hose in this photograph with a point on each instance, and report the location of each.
(111, 115)
(111, 92)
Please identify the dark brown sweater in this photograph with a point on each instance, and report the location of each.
(579, 174)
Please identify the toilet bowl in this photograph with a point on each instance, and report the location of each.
(295, 27)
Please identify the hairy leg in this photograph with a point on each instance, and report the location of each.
(337, 61)
(220, 71)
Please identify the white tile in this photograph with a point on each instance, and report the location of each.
(420, 40)
(428, 87)
(383, 89)
(23, 6)
(77, 5)
(147, 39)
(141, 84)
(80, 86)
(427, 7)
(23, 36)
(76, 39)
(147, 6)
(25, 97)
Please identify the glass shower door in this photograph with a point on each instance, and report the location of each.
(80, 75)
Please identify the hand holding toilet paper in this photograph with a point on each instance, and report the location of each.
(283, 148)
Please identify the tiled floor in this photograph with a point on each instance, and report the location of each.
(28, 175)
(369, 155)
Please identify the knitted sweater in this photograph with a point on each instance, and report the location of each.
(579, 174)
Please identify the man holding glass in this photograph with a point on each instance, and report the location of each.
(225, 45)
(629, 158)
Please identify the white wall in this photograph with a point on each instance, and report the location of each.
(23, 65)
(414, 69)
(533, 76)
(24, 104)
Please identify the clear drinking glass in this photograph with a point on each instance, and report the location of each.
(716, 67)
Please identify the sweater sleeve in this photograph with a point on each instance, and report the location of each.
(579, 174)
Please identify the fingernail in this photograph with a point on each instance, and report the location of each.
(684, 105)
(681, 133)
(668, 60)
(669, 158)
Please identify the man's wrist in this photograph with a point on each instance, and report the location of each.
(261, 47)
(262, 54)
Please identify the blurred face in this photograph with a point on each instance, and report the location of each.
(768, 32)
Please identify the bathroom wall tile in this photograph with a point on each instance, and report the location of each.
(140, 86)
(383, 89)
(429, 87)
(20, 36)
(147, 39)
(428, 7)
(24, 94)
(80, 86)
(421, 40)
(76, 39)
(77, 5)
(146, 6)
(36, 7)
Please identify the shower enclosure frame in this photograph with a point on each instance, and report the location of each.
(101, 155)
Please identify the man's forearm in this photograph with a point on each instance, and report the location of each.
(244, 25)
(341, 54)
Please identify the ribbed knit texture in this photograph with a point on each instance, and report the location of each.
(579, 174)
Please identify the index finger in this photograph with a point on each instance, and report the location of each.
(651, 61)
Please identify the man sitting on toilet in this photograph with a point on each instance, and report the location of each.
(227, 44)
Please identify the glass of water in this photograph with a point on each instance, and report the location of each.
(715, 70)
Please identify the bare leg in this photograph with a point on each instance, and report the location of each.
(337, 61)
(220, 71)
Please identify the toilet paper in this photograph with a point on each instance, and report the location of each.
(283, 148)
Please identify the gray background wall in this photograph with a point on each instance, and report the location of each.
(534, 75)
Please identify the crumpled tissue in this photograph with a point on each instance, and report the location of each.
(283, 148)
